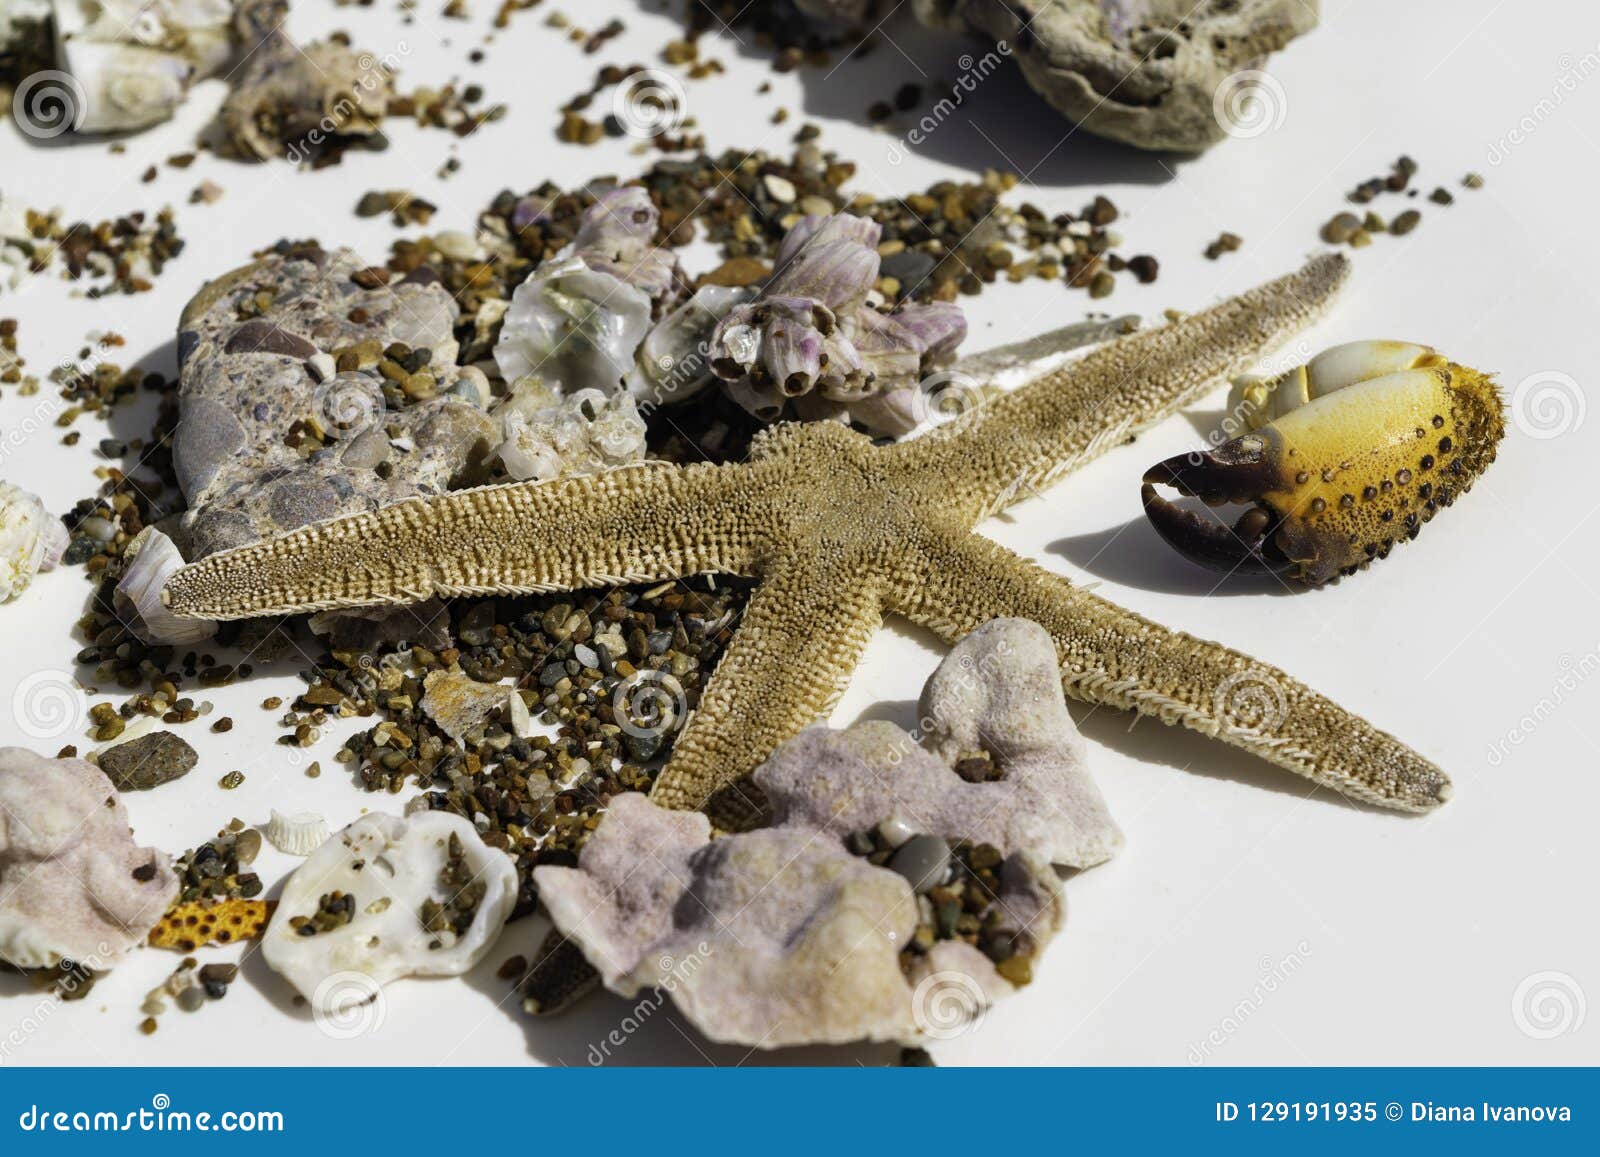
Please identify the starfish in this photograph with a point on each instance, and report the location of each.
(838, 531)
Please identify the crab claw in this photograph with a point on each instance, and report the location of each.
(1345, 456)
(1236, 549)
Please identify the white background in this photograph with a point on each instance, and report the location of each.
(1409, 937)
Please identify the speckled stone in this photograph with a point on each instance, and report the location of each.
(148, 761)
(246, 342)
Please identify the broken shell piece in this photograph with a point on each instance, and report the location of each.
(390, 897)
(296, 835)
(460, 704)
(31, 540)
(148, 561)
(547, 436)
(197, 923)
(1345, 457)
(573, 326)
(133, 61)
(617, 235)
(793, 938)
(73, 883)
(290, 100)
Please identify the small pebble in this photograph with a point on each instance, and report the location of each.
(1405, 222)
(923, 861)
(148, 761)
(895, 831)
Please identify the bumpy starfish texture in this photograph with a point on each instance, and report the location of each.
(840, 531)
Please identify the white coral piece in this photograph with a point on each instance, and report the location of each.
(296, 835)
(545, 435)
(31, 540)
(148, 562)
(73, 883)
(391, 866)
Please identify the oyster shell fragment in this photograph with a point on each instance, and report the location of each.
(291, 100)
(129, 64)
(1156, 74)
(31, 540)
(148, 562)
(390, 897)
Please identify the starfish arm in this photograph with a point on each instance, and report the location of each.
(802, 633)
(1114, 657)
(1021, 440)
(634, 524)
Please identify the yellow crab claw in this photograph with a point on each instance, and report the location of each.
(1345, 456)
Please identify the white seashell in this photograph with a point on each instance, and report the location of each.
(149, 561)
(134, 60)
(31, 540)
(546, 435)
(577, 327)
(390, 866)
(296, 835)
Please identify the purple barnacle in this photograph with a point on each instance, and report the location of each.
(811, 330)
(618, 236)
(939, 327)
